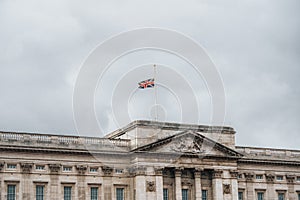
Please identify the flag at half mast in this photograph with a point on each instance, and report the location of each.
(149, 83)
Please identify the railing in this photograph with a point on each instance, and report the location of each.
(45, 139)
(255, 151)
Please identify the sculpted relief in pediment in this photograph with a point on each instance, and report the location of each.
(187, 144)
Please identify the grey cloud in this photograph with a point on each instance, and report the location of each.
(254, 44)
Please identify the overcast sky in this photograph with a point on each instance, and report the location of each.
(253, 43)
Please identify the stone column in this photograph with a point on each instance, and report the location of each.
(249, 185)
(178, 192)
(217, 185)
(81, 185)
(54, 170)
(26, 182)
(107, 182)
(271, 193)
(234, 184)
(1, 188)
(198, 188)
(159, 183)
(140, 183)
(291, 187)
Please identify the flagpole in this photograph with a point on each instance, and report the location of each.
(155, 92)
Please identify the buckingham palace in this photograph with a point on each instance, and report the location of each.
(145, 160)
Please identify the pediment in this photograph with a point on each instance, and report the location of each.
(189, 143)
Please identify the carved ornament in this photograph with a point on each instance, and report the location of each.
(226, 188)
(26, 167)
(81, 169)
(150, 186)
(54, 168)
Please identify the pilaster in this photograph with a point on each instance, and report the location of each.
(54, 171)
(178, 192)
(217, 185)
(159, 183)
(249, 185)
(140, 183)
(234, 184)
(271, 193)
(107, 182)
(26, 183)
(198, 187)
(81, 169)
(291, 187)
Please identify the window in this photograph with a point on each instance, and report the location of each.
(260, 196)
(40, 167)
(240, 176)
(279, 178)
(94, 193)
(67, 193)
(241, 195)
(280, 196)
(119, 171)
(120, 193)
(166, 194)
(185, 194)
(259, 177)
(39, 193)
(67, 169)
(11, 166)
(298, 196)
(93, 169)
(298, 178)
(11, 192)
(204, 194)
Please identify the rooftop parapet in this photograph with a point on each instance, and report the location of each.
(61, 141)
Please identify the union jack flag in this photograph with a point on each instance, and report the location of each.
(149, 83)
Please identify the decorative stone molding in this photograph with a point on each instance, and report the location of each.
(217, 173)
(26, 167)
(81, 169)
(150, 186)
(107, 171)
(270, 177)
(234, 173)
(226, 188)
(158, 171)
(54, 168)
(249, 176)
(137, 171)
(290, 178)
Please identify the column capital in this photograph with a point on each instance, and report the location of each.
(178, 171)
(249, 176)
(107, 171)
(197, 172)
(234, 173)
(81, 169)
(26, 167)
(270, 177)
(217, 173)
(290, 178)
(54, 168)
(158, 171)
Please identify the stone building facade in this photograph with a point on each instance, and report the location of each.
(145, 160)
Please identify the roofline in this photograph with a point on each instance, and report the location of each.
(169, 125)
(267, 148)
